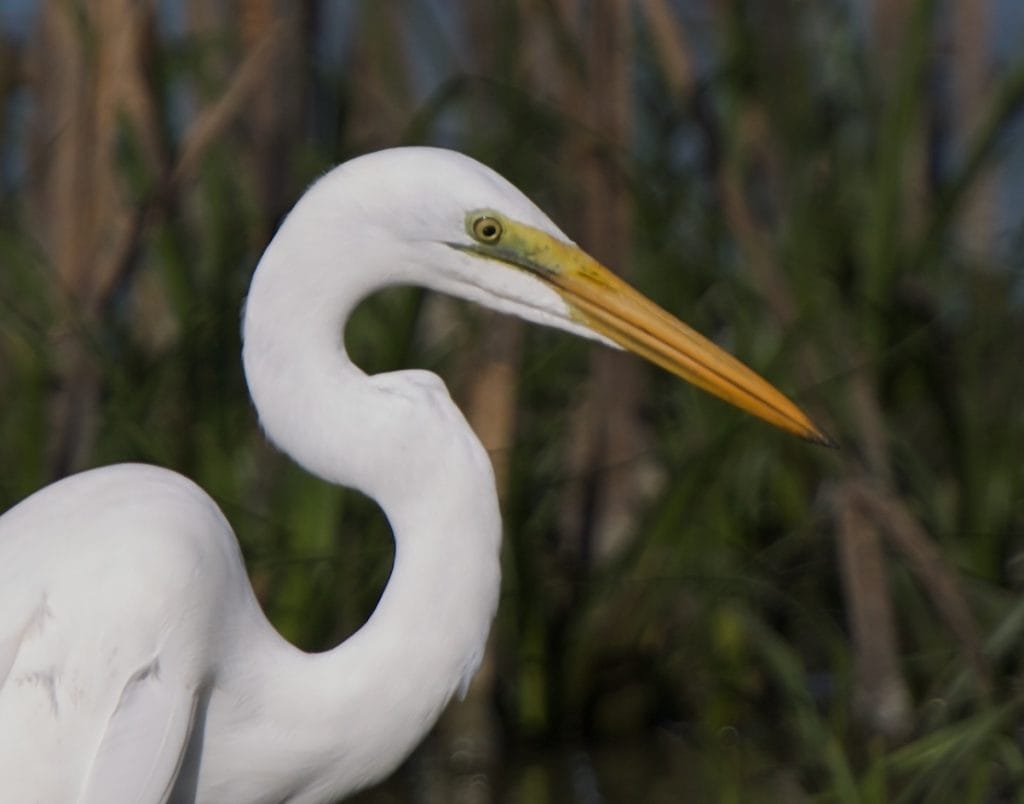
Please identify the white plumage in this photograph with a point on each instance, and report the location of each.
(135, 662)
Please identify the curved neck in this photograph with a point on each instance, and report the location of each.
(354, 712)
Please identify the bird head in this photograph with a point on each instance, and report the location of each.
(445, 221)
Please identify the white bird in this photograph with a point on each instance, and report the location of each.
(135, 662)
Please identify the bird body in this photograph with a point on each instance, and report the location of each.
(135, 652)
(135, 661)
(90, 654)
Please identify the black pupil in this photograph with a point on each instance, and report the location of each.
(489, 230)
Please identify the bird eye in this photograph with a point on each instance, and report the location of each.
(487, 229)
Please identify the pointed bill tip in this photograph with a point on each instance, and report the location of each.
(821, 438)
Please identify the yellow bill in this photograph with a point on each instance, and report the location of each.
(609, 306)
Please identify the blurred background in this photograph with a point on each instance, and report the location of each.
(695, 607)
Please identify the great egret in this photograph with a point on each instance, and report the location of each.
(135, 662)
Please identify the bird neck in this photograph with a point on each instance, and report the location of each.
(361, 707)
